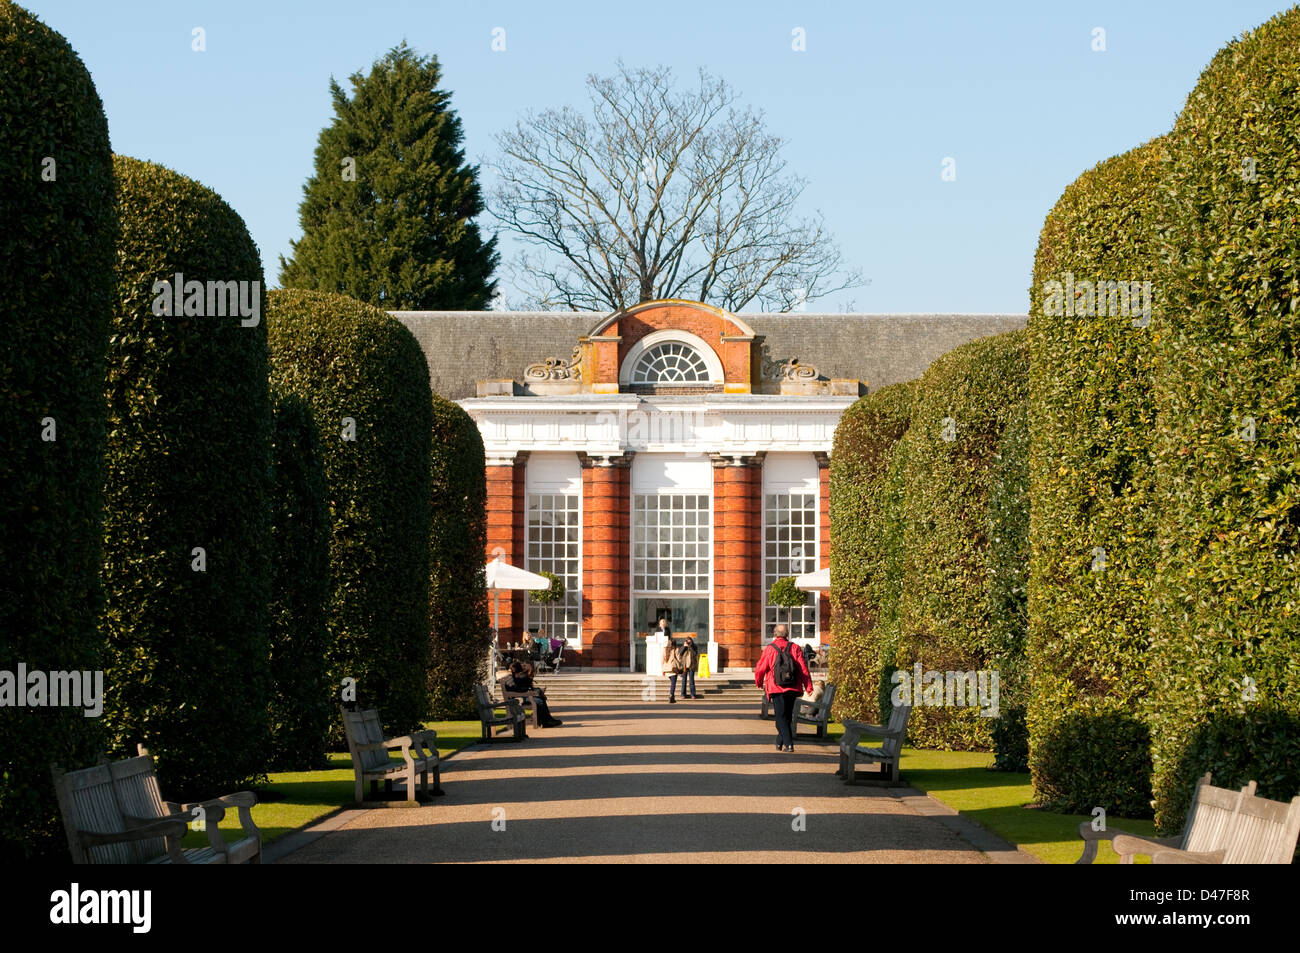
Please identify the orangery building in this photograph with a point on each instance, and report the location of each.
(670, 459)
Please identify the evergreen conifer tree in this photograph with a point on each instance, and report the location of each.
(387, 216)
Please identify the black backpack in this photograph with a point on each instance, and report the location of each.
(784, 671)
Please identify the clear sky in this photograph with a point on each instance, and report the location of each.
(883, 93)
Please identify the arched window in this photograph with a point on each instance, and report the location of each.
(671, 362)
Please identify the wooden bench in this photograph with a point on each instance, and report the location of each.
(525, 700)
(514, 717)
(114, 813)
(816, 713)
(370, 761)
(1222, 827)
(887, 755)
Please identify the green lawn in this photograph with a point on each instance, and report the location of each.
(294, 799)
(1001, 801)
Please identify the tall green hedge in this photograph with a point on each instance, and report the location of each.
(891, 529)
(56, 300)
(967, 398)
(366, 380)
(1007, 584)
(458, 540)
(865, 546)
(1092, 485)
(302, 698)
(1227, 626)
(189, 469)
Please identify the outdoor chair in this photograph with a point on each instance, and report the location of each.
(1223, 827)
(887, 755)
(512, 720)
(114, 813)
(370, 761)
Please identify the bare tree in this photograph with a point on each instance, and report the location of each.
(661, 194)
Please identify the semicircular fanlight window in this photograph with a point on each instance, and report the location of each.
(671, 363)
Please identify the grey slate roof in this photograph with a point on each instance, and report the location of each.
(463, 347)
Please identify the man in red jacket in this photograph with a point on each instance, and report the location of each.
(783, 675)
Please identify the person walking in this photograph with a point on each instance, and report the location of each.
(690, 656)
(783, 675)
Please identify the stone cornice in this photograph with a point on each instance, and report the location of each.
(613, 425)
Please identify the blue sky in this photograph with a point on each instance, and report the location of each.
(1013, 92)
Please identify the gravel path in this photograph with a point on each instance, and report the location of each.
(698, 782)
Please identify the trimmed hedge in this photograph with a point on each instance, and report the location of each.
(1092, 485)
(364, 376)
(888, 585)
(458, 534)
(866, 546)
(302, 699)
(1007, 590)
(189, 467)
(56, 301)
(967, 398)
(1227, 635)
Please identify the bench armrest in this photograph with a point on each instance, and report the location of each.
(1130, 845)
(215, 809)
(139, 828)
(853, 730)
(1124, 843)
(1176, 856)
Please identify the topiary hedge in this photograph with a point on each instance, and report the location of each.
(187, 502)
(1092, 485)
(56, 300)
(887, 586)
(1007, 560)
(302, 697)
(458, 534)
(967, 398)
(365, 378)
(1227, 437)
(865, 546)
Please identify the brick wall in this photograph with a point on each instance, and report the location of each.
(605, 565)
(737, 555)
(507, 534)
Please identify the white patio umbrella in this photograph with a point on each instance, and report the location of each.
(819, 581)
(503, 576)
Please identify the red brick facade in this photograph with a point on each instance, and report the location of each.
(737, 560)
(737, 590)
(606, 621)
(731, 339)
(507, 535)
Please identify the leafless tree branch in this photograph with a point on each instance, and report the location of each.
(663, 193)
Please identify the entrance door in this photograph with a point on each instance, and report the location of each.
(685, 616)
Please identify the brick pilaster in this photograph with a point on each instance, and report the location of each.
(507, 514)
(606, 620)
(737, 559)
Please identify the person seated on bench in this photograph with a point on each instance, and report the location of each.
(520, 681)
(814, 696)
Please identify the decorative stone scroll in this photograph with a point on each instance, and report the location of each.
(556, 368)
(790, 370)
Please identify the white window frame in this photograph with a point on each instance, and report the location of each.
(789, 474)
(554, 474)
(693, 341)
